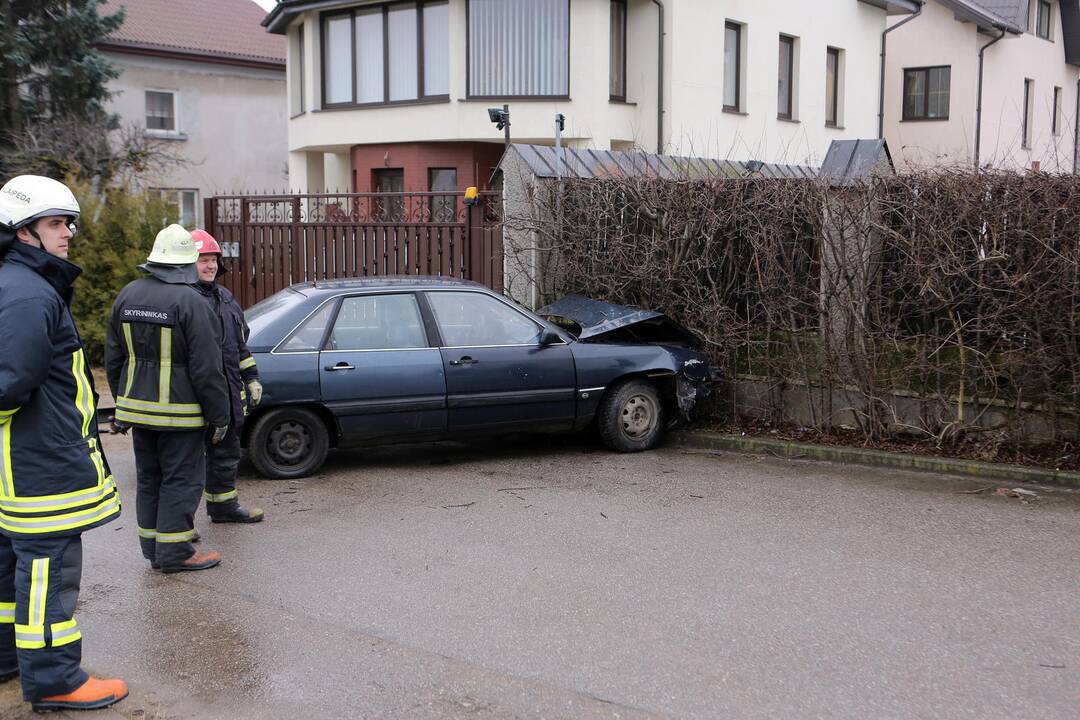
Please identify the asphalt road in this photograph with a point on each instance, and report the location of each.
(551, 579)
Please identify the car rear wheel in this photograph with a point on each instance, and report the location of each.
(288, 443)
(631, 416)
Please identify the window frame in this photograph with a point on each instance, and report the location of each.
(832, 52)
(336, 315)
(738, 28)
(178, 200)
(384, 9)
(1025, 128)
(925, 70)
(625, 18)
(1056, 119)
(468, 66)
(1040, 6)
(158, 132)
(790, 114)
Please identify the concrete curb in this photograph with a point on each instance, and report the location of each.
(878, 458)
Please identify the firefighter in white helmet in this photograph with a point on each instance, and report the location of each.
(163, 361)
(54, 479)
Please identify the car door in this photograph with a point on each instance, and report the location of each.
(498, 376)
(379, 374)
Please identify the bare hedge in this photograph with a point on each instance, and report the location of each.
(960, 289)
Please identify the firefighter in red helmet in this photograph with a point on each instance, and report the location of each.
(245, 390)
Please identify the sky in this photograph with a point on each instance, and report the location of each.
(266, 4)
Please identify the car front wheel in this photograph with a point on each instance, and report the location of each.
(631, 416)
(288, 443)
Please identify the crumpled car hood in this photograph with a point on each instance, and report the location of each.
(598, 318)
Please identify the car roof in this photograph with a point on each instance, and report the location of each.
(385, 282)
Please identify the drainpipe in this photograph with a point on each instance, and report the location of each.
(881, 84)
(660, 79)
(978, 101)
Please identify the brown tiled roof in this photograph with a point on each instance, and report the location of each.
(225, 29)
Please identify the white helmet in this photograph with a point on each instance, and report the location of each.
(27, 198)
(174, 246)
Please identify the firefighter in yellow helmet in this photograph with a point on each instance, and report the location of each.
(163, 361)
(54, 480)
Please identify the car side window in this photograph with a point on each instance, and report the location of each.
(378, 322)
(469, 319)
(309, 335)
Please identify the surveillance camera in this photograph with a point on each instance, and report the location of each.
(495, 115)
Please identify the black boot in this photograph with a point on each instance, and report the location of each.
(236, 514)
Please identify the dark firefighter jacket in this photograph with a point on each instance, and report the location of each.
(239, 364)
(54, 479)
(163, 354)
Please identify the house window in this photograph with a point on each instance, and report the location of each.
(1029, 86)
(183, 204)
(926, 93)
(161, 111)
(386, 53)
(1042, 20)
(732, 66)
(617, 82)
(518, 48)
(443, 207)
(786, 78)
(1057, 111)
(296, 82)
(832, 87)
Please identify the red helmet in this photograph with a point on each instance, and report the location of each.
(205, 242)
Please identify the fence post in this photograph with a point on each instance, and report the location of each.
(246, 261)
(474, 243)
(209, 216)
(295, 238)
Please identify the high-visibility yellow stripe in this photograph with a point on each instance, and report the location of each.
(29, 637)
(56, 523)
(156, 407)
(95, 456)
(220, 497)
(7, 612)
(179, 537)
(84, 398)
(6, 415)
(39, 590)
(131, 358)
(65, 632)
(7, 485)
(157, 421)
(248, 362)
(165, 371)
(47, 503)
(148, 534)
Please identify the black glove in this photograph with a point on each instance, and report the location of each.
(118, 428)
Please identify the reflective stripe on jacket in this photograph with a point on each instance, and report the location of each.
(163, 355)
(54, 479)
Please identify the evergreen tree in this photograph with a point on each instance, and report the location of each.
(54, 87)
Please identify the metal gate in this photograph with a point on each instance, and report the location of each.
(273, 241)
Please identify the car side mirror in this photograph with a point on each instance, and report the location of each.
(549, 337)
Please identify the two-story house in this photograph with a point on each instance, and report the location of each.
(987, 83)
(390, 96)
(205, 78)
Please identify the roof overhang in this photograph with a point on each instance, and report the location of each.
(129, 48)
(277, 20)
(969, 11)
(896, 7)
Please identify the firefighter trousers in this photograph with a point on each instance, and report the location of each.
(222, 461)
(39, 586)
(170, 467)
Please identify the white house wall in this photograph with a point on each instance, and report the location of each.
(232, 119)
(937, 38)
(694, 122)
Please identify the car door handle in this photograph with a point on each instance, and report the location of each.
(464, 361)
(339, 366)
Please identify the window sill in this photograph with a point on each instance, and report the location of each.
(941, 119)
(164, 135)
(434, 100)
(299, 114)
(834, 126)
(793, 121)
(733, 111)
(515, 98)
(617, 101)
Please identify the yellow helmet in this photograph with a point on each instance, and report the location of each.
(174, 246)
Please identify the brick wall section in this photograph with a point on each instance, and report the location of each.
(474, 162)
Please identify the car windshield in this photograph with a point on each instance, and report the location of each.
(258, 314)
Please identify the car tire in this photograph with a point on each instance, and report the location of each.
(631, 416)
(288, 443)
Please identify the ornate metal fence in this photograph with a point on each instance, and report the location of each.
(273, 241)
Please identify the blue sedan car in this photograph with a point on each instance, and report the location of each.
(376, 361)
